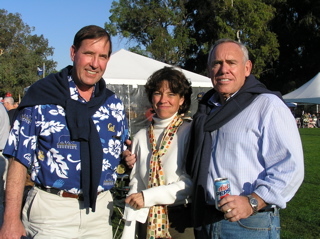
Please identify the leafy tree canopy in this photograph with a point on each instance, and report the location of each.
(157, 27)
(177, 32)
(297, 25)
(242, 20)
(282, 36)
(20, 54)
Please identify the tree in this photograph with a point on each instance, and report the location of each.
(297, 25)
(158, 27)
(183, 31)
(282, 36)
(20, 54)
(242, 20)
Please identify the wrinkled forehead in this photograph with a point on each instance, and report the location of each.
(226, 50)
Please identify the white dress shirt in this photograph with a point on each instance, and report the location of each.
(259, 151)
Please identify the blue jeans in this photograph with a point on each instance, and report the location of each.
(263, 225)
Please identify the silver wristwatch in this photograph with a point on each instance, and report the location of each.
(253, 203)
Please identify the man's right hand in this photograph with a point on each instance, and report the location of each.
(12, 230)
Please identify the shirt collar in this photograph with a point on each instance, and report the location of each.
(215, 99)
(74, 93)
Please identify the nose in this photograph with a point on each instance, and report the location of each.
(95, 62)
(163, 98)
(224, 68)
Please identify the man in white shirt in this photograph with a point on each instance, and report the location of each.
(244, 132)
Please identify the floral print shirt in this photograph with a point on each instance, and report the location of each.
(40, 140)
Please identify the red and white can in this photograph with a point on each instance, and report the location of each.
(221, 189)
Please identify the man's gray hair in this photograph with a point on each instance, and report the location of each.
(224, 40)
(9, 99)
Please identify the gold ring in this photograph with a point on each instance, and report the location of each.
(229, 210)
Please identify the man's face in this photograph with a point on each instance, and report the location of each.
(228, 69)
(6, 105)
(89, 61)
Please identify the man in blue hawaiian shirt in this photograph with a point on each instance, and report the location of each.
(69, 131)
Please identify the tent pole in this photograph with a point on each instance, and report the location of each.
(129, 103)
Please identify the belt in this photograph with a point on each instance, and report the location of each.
(269, 208)
(62, 193)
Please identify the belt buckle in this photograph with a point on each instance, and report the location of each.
(60, 193)
(71, 195)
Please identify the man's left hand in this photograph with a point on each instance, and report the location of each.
(129, 158)
(235, 207)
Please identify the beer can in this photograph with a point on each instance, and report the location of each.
(221, 189)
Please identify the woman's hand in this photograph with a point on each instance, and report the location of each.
(135, 200)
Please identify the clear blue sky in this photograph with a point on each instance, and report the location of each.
(59, 20)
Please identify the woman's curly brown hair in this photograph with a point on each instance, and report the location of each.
(178, 84)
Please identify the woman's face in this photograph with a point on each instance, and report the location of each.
(164, 102)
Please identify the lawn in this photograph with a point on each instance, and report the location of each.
(301, 218)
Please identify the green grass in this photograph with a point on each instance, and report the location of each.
(301, 218)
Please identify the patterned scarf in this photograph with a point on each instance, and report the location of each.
(158, 222)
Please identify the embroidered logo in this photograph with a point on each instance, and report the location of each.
(26, 118)
(41, 155)
(65, 143)
(108, 181)
(111, 127)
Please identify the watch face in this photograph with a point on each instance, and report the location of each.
(254, 202)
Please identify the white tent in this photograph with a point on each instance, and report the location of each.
(126, 75)
(308, 93)
(129, 68)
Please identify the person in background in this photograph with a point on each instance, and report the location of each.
(318, 120)
(314, 121)
(8, 103)
(200, 95)
(4, 133)
(246, 133)
(160, 188)
(16, 104)
(149, 113)
(11, 107)
(70, 131)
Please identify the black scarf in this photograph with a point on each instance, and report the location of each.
(54, 89)
(204, 123)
